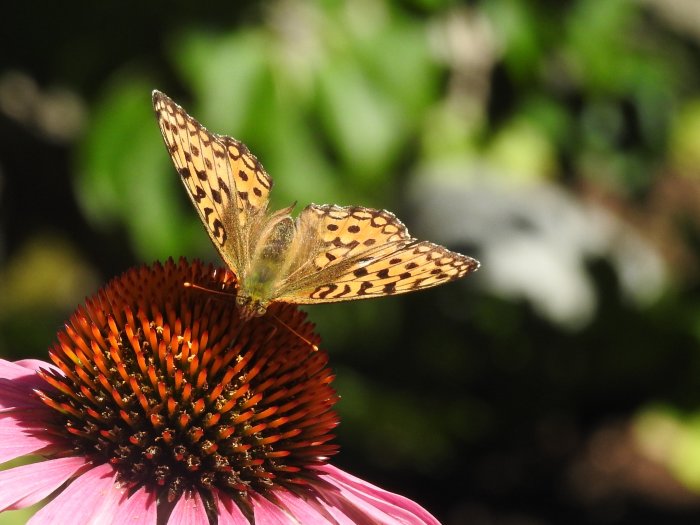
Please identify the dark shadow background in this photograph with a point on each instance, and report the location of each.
(558, 142)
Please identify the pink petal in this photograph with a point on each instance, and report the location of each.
(189, 510)
(18, 383)
(364, 486)
(228, 511)
(16, 440)
(37, 364)
(10, 370)
(139, 509)
(22, 414)
(268, 513)
(382, 505)
(348, 508)
(305, 511)
(18, 393)
(23, 486)
(26, 371)
(91, 498)
(378, 507)
(16, 397)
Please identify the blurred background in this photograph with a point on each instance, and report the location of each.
(557, 142)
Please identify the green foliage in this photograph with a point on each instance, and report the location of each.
(459, 117)
(330, 123)
(121, 176)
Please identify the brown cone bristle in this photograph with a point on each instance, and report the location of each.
(169, 386)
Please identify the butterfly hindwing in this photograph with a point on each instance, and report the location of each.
(360, 253)
(339, 233)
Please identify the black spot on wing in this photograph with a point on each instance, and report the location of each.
(199, 195)
(360, 272)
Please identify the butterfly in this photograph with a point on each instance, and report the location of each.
(328, 253)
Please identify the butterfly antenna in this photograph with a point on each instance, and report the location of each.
(280, 321)
(188, 284)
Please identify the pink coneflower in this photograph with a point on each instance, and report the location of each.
(162, 407)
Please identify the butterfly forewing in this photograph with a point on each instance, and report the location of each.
(226, 183)
(253, 184)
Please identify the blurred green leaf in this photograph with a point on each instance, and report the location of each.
(229, 74)
(671, 437)
(523, 153)
(126, 177)
(365, 126)
(684, 147)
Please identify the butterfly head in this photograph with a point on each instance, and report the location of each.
(249, 307)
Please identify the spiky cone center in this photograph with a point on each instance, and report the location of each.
(168, 385)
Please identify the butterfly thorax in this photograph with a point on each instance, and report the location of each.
(268, 263)
(249, 308)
